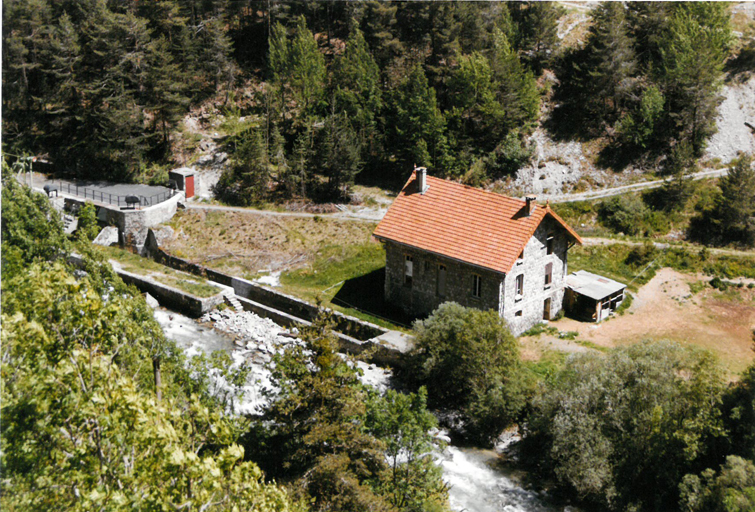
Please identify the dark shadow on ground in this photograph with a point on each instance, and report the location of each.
(365, 293)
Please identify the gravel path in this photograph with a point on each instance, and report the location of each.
(608, 192)
(363, 214)
(367, 214)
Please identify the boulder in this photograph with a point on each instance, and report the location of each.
(151, 301)
(107, 237)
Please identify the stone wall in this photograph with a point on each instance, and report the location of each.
(166, 295)
(523, 313)
(131, 223)
(424, 295)
(351, 326)
(172, 297)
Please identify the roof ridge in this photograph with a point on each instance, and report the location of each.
(474, 189)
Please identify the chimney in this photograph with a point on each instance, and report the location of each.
(530, 204)
(421, 173)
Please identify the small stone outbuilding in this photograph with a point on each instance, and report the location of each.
(450, 242)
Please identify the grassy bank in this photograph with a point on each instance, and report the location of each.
(135, 264)
(627, 264)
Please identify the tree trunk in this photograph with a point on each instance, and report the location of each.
(158, 378)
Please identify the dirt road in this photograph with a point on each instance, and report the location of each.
(364, 214)
(608, 192)
(660, 245)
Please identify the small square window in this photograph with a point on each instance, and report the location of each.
(518, 313)
(408, 270)
(476, 286)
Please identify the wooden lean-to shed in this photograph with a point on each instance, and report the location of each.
(592, 297)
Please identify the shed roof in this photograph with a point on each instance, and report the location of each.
(183, 171)
(464, 223)
(592, 285)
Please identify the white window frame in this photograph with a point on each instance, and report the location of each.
(519, 287)
(548, 275)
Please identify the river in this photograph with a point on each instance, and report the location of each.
(477, 483)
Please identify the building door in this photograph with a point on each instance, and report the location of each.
(547, 309)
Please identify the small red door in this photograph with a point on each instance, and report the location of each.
(189, 186)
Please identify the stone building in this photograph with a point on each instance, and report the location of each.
(449, 242)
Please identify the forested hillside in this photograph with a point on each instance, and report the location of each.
(332, 91)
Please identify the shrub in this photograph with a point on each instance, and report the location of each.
(469, 361)
(620, 430)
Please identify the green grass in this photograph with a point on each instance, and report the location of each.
(547, 366)
(591, 345)
(624, 263)
(144, 266)
(334, 264)
(348, 279)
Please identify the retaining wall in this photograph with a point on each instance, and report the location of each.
(348, 325)
(130, 222)
(173, 298)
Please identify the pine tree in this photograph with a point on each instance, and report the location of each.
(338, 155)
(356, 84)
(692, 57)
(536, 30)
(735, 211)
(612, 61)
(379, 27)
(516, 88)
(298, 69)
(416, 124)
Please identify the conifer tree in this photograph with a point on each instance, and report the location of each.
(356, 84)
(692, 55)
(416, 124)
(612, 68)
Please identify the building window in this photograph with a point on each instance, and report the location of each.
(549, 244)
(548, 275)
(518, 313)
(408, 270)
(520, 259)
(427, 266)
(519, 286)
(441, 280)
(476, 286)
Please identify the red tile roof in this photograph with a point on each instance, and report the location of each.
(463, 223)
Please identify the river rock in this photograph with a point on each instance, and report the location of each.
(151, 301)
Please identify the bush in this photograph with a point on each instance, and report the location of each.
(469, 361)
(640, 256)
(620, 431)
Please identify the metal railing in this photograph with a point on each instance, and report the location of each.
(115, 199)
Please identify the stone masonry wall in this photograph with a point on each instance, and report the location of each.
(422, 297)
(130, 221)
(498, 291)
(525, 312)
